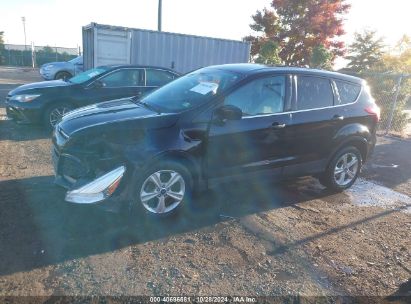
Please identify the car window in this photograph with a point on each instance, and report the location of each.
(123, 78)
(87, 75)
(260, 96)
(158, 78)
(348, 92)
(77, 60)
(314, 92)
(191, 90)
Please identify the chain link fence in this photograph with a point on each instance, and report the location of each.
(34, 56)
(392, 93)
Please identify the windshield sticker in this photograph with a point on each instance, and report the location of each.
(94, 73)
(204, 88)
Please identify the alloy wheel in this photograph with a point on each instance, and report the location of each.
(346, 169)
(57, 113)
(163, 191)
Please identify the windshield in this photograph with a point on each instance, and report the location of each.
(87, 75)
(76, 60)
(191, 90)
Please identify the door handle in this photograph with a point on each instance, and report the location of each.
(338, 117)
(277, 125)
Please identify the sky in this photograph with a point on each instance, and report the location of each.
(59, 22)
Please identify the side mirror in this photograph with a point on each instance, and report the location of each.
(98, 84)
(228, 112)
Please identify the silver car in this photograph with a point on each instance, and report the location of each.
(62, 70)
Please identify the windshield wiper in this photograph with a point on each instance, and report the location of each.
(148, 106)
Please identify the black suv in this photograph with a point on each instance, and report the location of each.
(212, 125)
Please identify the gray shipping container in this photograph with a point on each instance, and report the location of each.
(105, 44)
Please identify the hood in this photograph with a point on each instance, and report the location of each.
(40, 85)
(57, 63)
(122, 113)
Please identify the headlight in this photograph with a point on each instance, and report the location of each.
(24, 97)
(48, 67)
(98, 189)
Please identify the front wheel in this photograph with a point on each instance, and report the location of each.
(163, 189)
(54, 114)
(343, 169)
(63, 76)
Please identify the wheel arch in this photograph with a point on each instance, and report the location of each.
(355, 134)
(62, 71)
(183, 158)
(49, 105)
(359, 142)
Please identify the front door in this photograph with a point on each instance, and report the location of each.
(258, 140)
(118, 84)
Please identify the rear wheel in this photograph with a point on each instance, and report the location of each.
(54, 114)
(343, 169)
(163, 190)
(63, 76)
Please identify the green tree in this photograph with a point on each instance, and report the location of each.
(298, 27)
(384, 83)
(403, 44)
(269, 53)
(321, 58)
(366, 52)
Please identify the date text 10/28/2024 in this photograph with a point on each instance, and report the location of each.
(205, 299)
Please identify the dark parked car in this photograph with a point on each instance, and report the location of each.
(46, 102)
(216, 124)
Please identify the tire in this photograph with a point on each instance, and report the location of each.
(340, 175)
(63, 76)
(151, 205)
(51, 118)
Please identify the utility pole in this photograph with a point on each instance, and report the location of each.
(160, 4)
(25, 42)
(24, 28)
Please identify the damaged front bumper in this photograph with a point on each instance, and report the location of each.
(105, 189)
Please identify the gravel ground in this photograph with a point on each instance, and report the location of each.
(255, 238)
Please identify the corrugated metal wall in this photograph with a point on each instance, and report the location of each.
(185, 53)
(88, 47)
(182, 53)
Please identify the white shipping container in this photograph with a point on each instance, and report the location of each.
(104, 44)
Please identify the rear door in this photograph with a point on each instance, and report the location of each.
(314, 123)
(155, 78)
(258, 141)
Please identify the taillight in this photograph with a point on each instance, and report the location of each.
(374, 110)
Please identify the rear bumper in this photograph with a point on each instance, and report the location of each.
(371, 146)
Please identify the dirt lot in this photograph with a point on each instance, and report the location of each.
(256, 238)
